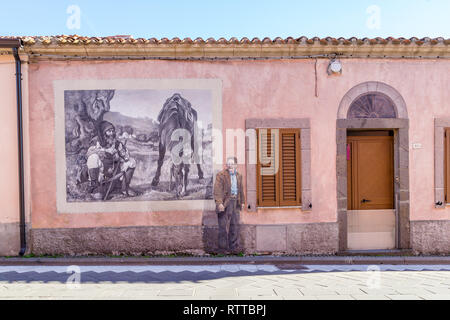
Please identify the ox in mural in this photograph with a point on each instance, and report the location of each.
(178, 119)
(131, 145)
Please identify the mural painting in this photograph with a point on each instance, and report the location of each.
(138, 145)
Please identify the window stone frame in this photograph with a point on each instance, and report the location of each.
(305, 153)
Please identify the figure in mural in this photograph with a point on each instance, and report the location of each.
(229, 199)
(177, 113)
(84, 110)
(109, 166)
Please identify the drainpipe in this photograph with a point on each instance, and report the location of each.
(15, 44)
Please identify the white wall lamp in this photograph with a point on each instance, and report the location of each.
(334, 67)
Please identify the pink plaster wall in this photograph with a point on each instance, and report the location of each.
(254, 89)
(9, 185)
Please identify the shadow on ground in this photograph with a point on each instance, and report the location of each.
(134, 277)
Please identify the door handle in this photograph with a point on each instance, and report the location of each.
(365, 200)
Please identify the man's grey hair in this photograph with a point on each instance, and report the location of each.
(232, 158)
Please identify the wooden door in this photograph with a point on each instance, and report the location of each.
(370, 172)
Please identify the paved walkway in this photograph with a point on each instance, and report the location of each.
(230, 282)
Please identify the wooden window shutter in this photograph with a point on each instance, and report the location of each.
(268, 187)
(290, 179)
(283, 186)
(446, 164)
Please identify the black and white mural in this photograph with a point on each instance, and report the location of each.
(138, 145)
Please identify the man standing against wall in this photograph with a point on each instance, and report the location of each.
(229, 198)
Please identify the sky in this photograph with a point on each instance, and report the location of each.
(227, 18)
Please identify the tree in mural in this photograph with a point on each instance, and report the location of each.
(84, 110)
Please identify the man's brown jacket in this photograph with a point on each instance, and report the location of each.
(222, 189)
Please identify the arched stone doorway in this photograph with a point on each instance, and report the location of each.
(374, 106)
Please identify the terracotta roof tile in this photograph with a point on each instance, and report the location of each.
(279, 40)
(290, 40)
(76, 39)
(438, 47)
(199, 40)
(187, 41)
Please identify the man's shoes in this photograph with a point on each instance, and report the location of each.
(222, 251)
(235, 251)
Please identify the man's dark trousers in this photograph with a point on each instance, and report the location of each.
(228, 227)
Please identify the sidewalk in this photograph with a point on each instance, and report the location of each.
(281, 261)
(228, 281)
(228, 277)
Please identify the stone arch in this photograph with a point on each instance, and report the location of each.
(396, 119)
(373, 87)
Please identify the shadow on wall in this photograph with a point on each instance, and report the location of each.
(210, 234)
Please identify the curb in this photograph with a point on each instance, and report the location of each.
(273, 260)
